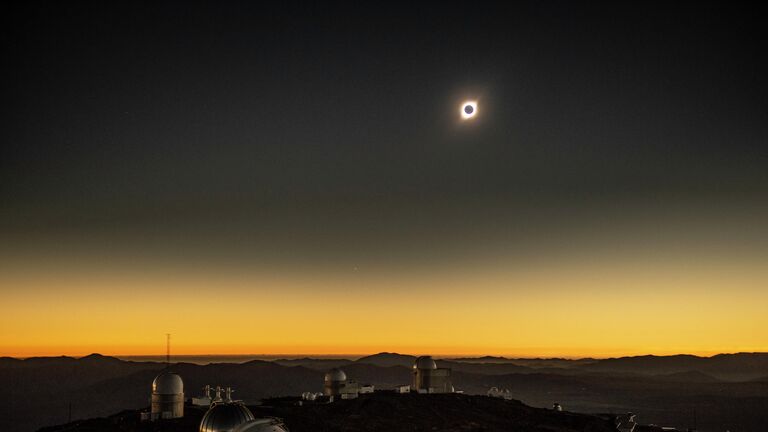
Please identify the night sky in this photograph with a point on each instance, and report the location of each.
(310, 157)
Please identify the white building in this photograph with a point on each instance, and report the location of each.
(428, 378)
(403, 388)
(167, 399)
(205, 399)
(499, 393)
(335, 383)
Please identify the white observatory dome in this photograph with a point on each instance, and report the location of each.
(335, 375)
(225, 417)
(261, 425)
(168, 383)
(424, 362)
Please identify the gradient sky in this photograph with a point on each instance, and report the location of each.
(295, 179)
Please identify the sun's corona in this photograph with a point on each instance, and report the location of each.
(468, 110)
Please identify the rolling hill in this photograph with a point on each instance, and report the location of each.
(661, 390)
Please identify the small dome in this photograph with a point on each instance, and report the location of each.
(335, 374)
(225, 417)
(261, 425)
(424, 362)
(168, 383)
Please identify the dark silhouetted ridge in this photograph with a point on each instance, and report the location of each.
(381, 412)
(388, 359)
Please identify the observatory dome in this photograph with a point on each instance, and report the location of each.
(261, 425)
(335, 374)
(167, 383)
(225, 417)
(424, 362)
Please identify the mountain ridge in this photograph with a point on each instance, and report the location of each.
(100, 385)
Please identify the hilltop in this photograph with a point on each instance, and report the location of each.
(382, 412)
(663, 390)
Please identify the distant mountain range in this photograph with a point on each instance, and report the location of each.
(726, 390)
(731, 367)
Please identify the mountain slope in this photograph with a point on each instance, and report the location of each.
(381, 412)
(40, 391)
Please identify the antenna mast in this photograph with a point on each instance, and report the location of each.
(167, 350)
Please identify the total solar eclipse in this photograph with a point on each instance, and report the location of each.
(468, 109)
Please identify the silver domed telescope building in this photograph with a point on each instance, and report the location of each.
(428, 378)
(336, 383)
(261, 425)
(225, 415)
(167, 399)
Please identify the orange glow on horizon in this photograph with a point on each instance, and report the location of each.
(565, 310)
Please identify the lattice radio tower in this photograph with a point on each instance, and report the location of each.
(167, 350)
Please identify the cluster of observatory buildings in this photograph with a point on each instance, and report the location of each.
(228, 415)
(426, 378)
(224, 414)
